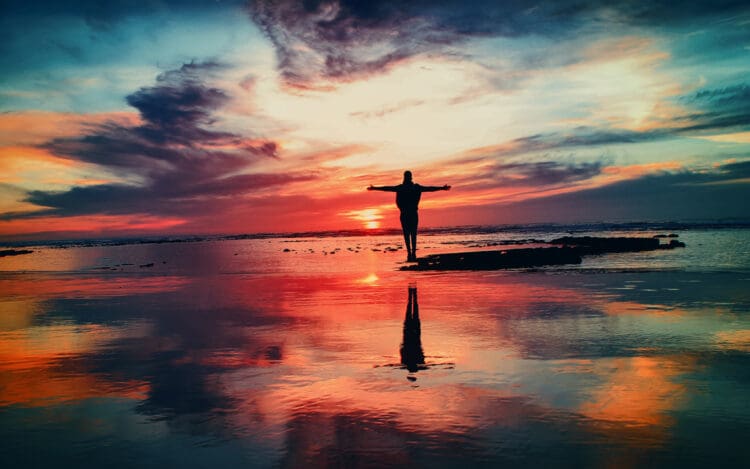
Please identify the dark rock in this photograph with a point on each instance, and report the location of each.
(673, 244)
(150, 264)
(596, 245)
(494, 260)
(14, 252)
(571, 252)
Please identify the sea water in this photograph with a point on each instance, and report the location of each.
(302, 351)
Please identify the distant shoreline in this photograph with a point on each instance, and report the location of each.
(480, 229)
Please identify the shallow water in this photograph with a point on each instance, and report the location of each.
(238, 353)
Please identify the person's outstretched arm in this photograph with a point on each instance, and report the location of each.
(383, 188)
(435, 188)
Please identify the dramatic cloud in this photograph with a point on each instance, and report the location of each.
(732, 172)
(346, 39)
(180, 198)
(662, 12)
(718, 109)
(174, 114)
(540, 175)
(544, 173)
(343, 40)
(684, 195)
(575, 137)
(103, 14)
(178, 163)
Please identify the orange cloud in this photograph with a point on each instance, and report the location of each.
(37, 169)
(27, 128)
(737, 137)
(638, 170)
(15, 158)
(90, 225)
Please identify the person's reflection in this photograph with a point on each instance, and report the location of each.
(412, 356)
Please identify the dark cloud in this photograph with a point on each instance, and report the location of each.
(171, 194)
(581, 137)
(103, 14)
(503, 166)
(175, 114)
(184, 164)
(736, 170)
(666, 12)
(685, 195)
(347, 39)
(342, 40)
(542, 174)
(180, 100)
(725, 108)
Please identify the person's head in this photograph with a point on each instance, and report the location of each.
(407, 176)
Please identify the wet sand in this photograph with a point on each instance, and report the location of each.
(241, 353)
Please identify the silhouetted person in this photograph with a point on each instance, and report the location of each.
(407, 200)
(412, 355)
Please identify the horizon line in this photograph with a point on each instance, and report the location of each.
(387, 231)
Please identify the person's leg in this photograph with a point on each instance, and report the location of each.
(407, 239)
(409, 223)
(415, 223)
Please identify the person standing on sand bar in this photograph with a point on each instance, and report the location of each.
(407, 200)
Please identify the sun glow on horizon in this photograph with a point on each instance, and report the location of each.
(369, 217)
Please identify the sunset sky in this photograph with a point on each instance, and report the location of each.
(188, 116)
